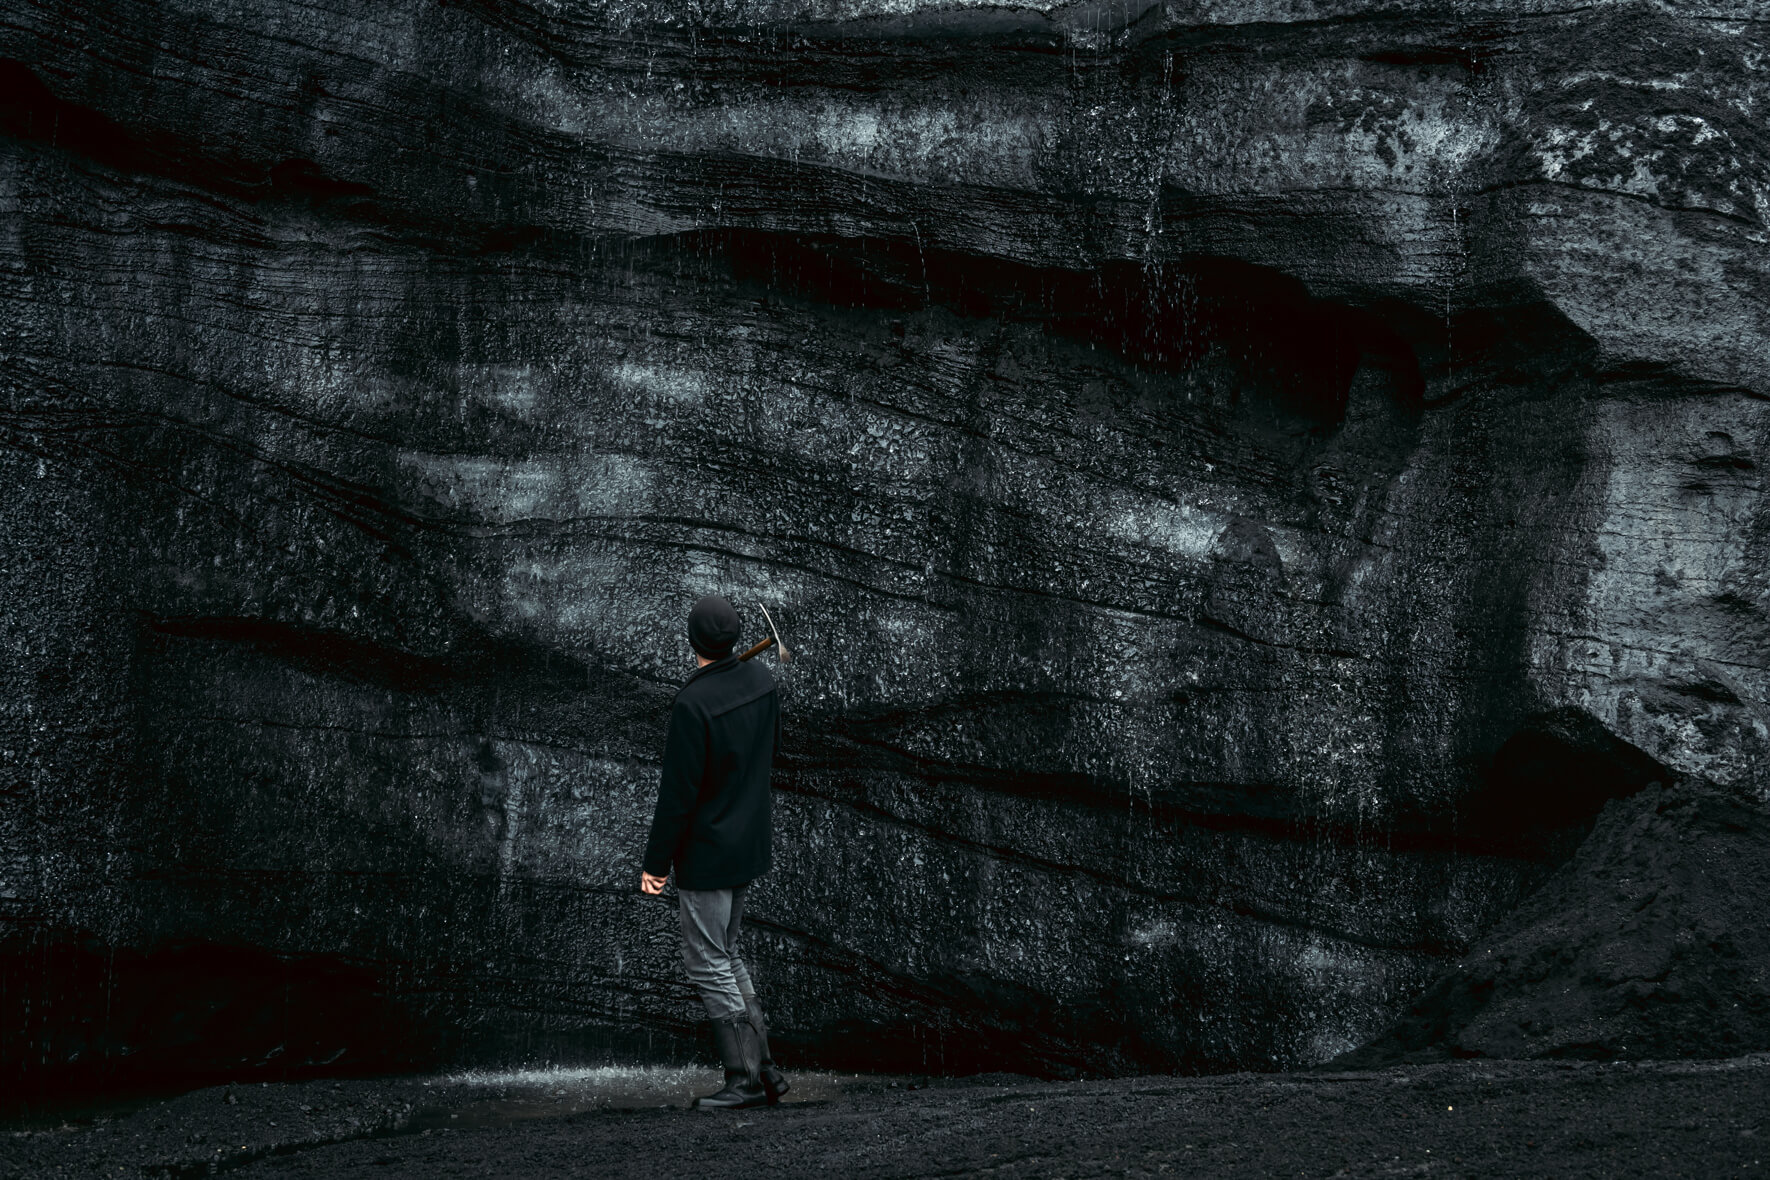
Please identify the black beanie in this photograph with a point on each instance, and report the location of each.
(712, 627)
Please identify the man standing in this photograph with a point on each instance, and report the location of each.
(713, 824)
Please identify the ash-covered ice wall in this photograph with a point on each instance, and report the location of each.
(1185, 443)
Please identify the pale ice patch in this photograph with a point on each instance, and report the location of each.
(995, 140)
(1178, 528)
(1293, 551)
(497, 1097)
(515, 389)
(1560, 146)
(687, 386)
(1320, 962)
(1191, 531)
(661, 1077)
(583, 596)
(854, 132)
(555, 487)
(1158, 933)
(861, 9)
(1325, 1044)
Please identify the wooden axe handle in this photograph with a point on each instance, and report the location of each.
(759, 648)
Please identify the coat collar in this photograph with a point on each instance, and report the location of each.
(723, 665)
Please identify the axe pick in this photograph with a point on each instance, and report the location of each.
(774, 640)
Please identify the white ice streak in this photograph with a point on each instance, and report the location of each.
(552, 487)
(1179, 528)
(585, 1077)
(681, 386)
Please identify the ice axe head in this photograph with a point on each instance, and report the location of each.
(774, 640)
(775, 634)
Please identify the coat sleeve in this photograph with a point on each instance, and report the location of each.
(679, 788)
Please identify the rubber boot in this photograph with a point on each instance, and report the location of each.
(773, 1080)
(742, 1059)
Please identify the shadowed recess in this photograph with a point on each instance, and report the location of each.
(1165, 318)
(192, 1012)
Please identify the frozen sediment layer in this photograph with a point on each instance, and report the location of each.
(1184, 451)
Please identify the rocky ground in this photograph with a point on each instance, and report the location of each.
(1475, 1118)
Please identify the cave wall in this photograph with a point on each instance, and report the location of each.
(1183, 443)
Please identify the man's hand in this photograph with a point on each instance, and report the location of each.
(651, 884)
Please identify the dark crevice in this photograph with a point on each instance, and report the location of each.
(1619, 194)
(1291, 357)
(1264, 810)
(1470, 59)
(30, 112)
(1705, 690)
(1548, 781)
(1218, 625)
(303, 179)
(1167, 318)
(476, 660)
(316, 651)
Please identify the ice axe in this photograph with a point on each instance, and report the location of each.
(773, 640)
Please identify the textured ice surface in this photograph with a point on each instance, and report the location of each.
(1184, 445)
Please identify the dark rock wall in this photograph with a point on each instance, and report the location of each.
(1184, 445)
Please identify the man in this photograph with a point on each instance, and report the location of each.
(712, 824)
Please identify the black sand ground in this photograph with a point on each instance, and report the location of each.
(1471, 1118)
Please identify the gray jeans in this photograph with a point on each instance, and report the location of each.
(711, 922)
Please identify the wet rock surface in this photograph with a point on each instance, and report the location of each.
(1461, 1119)
(1188, 446)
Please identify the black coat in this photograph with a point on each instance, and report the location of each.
(713, 819)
